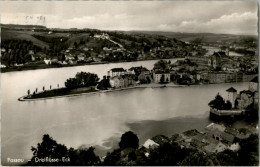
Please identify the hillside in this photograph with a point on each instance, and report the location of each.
(22, 35)
(188, 37)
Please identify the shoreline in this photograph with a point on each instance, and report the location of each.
(6, 70)
(23, 98)
(151, 85)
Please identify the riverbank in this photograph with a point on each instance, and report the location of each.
(64, 92)
(45, 66)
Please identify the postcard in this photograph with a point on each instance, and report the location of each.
(145, 83)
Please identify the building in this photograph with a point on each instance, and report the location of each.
(120, 81)
(31, 52)
(232, 95)
(3, 50)
(253, 84)
(145, 74)
(72, 61)
(245, 99)
(81, 57)
(214, 126)
(199, 60)
(221, 77)
(3, 66)
(216, 59)
(160, 76)
(248, 78)
(215, 147)
(47, 61)
(116, 72)
(69, 57)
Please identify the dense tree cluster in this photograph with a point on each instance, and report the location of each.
(51, 149)
(219, 103)
(56, 44)
(168, 153)
(17, 51)
(82, 79)
(162, 65)
(129, 139)
(104, 83)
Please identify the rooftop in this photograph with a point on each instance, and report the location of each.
(255, 79)
(190, 133)
(231, 90)
(247, 92)
(118, 70)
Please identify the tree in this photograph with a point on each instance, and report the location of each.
(199, 159)
(166, 154)
(28, 91)
(83, 157)
(104, 83)
(112, 158)
(43, 88)
(82, 79)
(71, 83)
(48, 148)
(197, 41)
(217, 103)
(228, 105)
(228, 158)
(161, 65)
(249, 152)
(129, 139)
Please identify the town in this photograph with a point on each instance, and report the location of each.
(231, 61)
(214, 145)
(211, 69)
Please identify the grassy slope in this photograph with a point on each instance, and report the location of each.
(77, 38)
(27, 35)
(22, 35)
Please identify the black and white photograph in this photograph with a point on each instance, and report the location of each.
(129, 83)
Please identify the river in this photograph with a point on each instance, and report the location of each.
(98, 119)
(212, 49)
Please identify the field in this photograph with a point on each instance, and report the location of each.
(22, 35)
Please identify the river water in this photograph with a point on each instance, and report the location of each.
(97, 119)
(212, 49)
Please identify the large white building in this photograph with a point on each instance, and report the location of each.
(116, 72)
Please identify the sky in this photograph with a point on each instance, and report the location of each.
(228, 17)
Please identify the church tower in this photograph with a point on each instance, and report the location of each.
(232, 95)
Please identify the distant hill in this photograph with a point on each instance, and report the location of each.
(18, 26)
(26, 32)
(188, 37)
